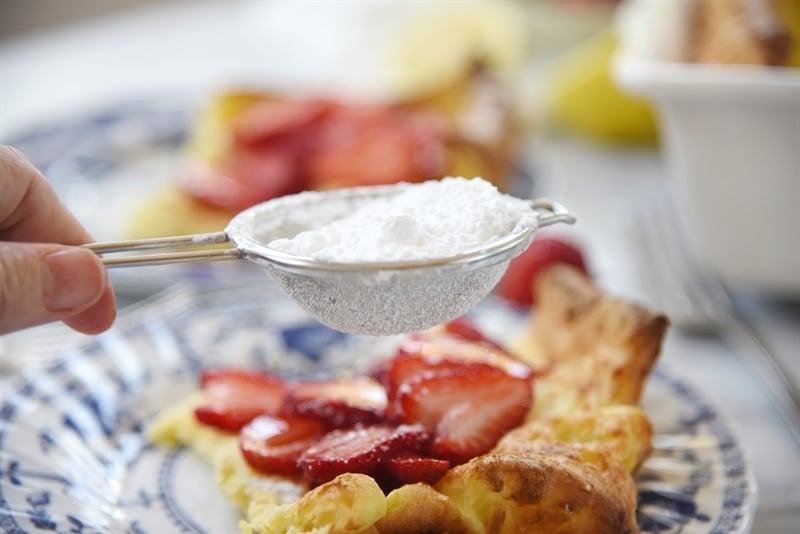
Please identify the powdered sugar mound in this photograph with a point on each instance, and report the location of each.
(434, 219)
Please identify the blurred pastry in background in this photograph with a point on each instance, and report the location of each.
(752, 32)
(246, 148)
(450, 111)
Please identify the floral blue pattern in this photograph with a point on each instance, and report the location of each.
(73, 457)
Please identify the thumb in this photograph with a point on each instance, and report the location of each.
(40, 283)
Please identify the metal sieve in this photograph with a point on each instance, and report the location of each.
(372, 298)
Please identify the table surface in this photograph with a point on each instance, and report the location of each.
(143, 52)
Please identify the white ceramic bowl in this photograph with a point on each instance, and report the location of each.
(731, 138)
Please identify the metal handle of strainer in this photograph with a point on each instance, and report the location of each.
(551, 212)
(167, 257)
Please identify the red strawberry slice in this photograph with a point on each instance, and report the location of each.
(244, 177)
(437, 350)
(467, 409)
(362, 449)
(371, 145)
(236, 397)
(338, 403)
(270, 118)
(272, 445)
(410, 469)
(438, 346)
(406, 367)
(380, 370)
(461, 327)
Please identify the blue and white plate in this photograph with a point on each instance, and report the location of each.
(73, 457)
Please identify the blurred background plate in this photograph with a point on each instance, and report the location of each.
(73, 456)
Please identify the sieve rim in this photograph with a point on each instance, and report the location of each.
(258, 252)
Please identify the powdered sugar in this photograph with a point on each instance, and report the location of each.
(435, 219)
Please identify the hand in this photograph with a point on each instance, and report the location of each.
(42, 279)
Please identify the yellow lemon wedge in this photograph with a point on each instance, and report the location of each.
(789, 11)
(582, 96)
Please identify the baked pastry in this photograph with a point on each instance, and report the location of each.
(751, 32)
(249, 147)
(567, 468)
(591, 349)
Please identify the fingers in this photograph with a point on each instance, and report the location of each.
(30, 210)
(98, 317)
(42, 283)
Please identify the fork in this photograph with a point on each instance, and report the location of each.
(697, 302)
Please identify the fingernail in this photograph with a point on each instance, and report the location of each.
(72, 279)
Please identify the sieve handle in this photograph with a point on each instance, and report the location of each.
(551, 212)
(167, 257)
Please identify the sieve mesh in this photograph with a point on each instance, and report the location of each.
(396, 304)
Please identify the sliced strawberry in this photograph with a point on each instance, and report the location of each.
(371, 145)
(380, 370)
(362, 449)
(466, 409)
(244, 177)
(437, 350)
(272, 445)
(269, 118)
(411, 468)
(339, 403)
(235, 397)
(440, 346)
(461, 327)
(404, 368)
